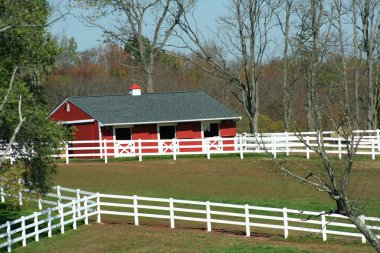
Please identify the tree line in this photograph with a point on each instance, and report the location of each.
(284, 65)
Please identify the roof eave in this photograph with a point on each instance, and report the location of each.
(171, 121)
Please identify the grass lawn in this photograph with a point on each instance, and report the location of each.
(225, 179)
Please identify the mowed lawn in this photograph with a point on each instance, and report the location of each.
(252, 180)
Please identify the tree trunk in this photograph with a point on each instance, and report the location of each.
(287, 99)
(356, 78)
(371, 237)
(149, 78)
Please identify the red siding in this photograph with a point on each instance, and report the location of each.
(107, 134)
(146, 132)
(85, 132)
(189, 130)
(75, 113)
(228, 129)
(81, 132)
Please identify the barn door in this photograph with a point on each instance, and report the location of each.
(167, 134)
(124, 146)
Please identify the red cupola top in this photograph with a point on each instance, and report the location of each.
(134, 87)
(135, 90)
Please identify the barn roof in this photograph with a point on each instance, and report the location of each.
(153, 108)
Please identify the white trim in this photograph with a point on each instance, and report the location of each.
(119, 127)
(159, 134)
(58, 107)
(171, 121)
(82, 121)
(67, 99)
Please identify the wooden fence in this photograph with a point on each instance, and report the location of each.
(368, 143)
(174, 210)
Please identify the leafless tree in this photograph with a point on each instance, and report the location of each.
(370, 17)
(238, 50)
(287, 85)
(131, 24)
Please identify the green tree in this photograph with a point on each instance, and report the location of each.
(27, 53)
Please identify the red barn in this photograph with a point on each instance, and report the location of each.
(154, 116)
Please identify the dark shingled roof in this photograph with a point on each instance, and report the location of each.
(153, 107)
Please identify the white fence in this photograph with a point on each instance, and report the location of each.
(174, 210)
(275, 143)
(368, 143)
(48, 221)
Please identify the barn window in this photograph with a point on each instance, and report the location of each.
(123, 134)
(211, 130)
(167, 132)
(67, 107)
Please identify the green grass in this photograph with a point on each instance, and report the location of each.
(225, 179)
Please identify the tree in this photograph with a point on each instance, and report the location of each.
(238, 49)
(27, 55)
(131, 18)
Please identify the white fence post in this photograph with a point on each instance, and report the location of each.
(85, 211)
(324, 226)
(208, 216)
(174, 149)
(287, 143)
(340, 147)
(207, 149)
(378, 139)
(39, 203)
(11, 159)
(2, 193)
(307, 147)
(135, 210)
(59, 195)
(20, 193)
(36, 231)
(285, 216)
(9, 238)
(78, 202)
(171, 210)
(105, 151)
(67, 152)
(241, 147)
(62, 218)
(23, 232)
(49, 223)
(364, 240)
(99, 219)
(140, 151)
(373, 149)
(247, 225)
(74, 214)
(274, 147)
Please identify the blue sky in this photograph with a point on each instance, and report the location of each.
(88, 37)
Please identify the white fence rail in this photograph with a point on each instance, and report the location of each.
(48, 221)
(368, 143)
(174, 210)
(275, 143)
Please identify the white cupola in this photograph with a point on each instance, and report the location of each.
(135, 90)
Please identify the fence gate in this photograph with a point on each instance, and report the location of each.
(125, 148)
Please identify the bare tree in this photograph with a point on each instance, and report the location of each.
(369, 15)
(238, 50)
(287, 85)
(131, 25)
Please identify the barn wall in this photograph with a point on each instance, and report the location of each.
(228, 129)
(107, 134)
(189, 130)
(146, 132)
(85, 132)
(75, 113)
